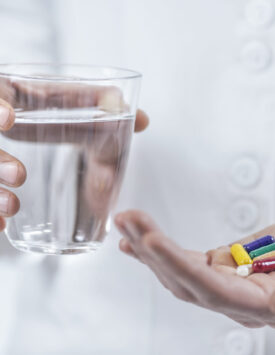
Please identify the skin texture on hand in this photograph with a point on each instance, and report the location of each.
(207, 280)
(38, 96)
(12, 171)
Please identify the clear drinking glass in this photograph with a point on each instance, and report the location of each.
(73, 131)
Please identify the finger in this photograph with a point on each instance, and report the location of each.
(110, 99)
(2, 224)
(144, 238)
(142, 121)
(137, 227)
(221, 256)
(7, 116)
(225, 269)
(125, 247)
(216, 290)
(82, 132)
(107, 98)
(138, 220)
(69, 95)
(267, 231)
(38, 95)
(9, 203)
(12, 171)
(147, 240)
(142, 232)
(183, 271)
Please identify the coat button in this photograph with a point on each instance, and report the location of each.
(238, 342)
(244, 214)
(259, 13)
(256, 56)
(245, 172)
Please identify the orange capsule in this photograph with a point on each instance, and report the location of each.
(269, 255)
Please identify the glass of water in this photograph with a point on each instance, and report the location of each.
(72, 132)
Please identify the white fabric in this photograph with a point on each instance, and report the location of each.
(209, 91)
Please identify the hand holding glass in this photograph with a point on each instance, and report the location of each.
(72, 132)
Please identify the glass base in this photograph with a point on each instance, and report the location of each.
(54, 249)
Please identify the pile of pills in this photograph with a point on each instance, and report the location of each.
(257, 256)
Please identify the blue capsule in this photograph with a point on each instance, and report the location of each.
(259, 243)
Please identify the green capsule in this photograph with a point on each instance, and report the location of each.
(263, 250)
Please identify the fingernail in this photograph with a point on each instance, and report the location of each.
(8, 172)
(4, 202)
(4, 116)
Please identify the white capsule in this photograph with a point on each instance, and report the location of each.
(244, 270)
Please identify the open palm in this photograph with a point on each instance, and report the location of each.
(208, 280)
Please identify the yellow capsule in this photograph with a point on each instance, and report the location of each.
(271, 254)
(240, 255)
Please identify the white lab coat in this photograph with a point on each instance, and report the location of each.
(207, 159)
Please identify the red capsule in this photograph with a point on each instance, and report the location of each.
(264, 265)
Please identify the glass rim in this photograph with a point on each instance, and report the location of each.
(126, 74)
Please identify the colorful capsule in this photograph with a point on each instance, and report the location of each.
(244, 270)
(240, 255)
(264, 265)
(269, 255)
(261, 251)
(258, 243)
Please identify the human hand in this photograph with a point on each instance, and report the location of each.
(20, 95)
(208, 280)
(12, 171)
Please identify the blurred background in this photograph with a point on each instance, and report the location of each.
(204, 170)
